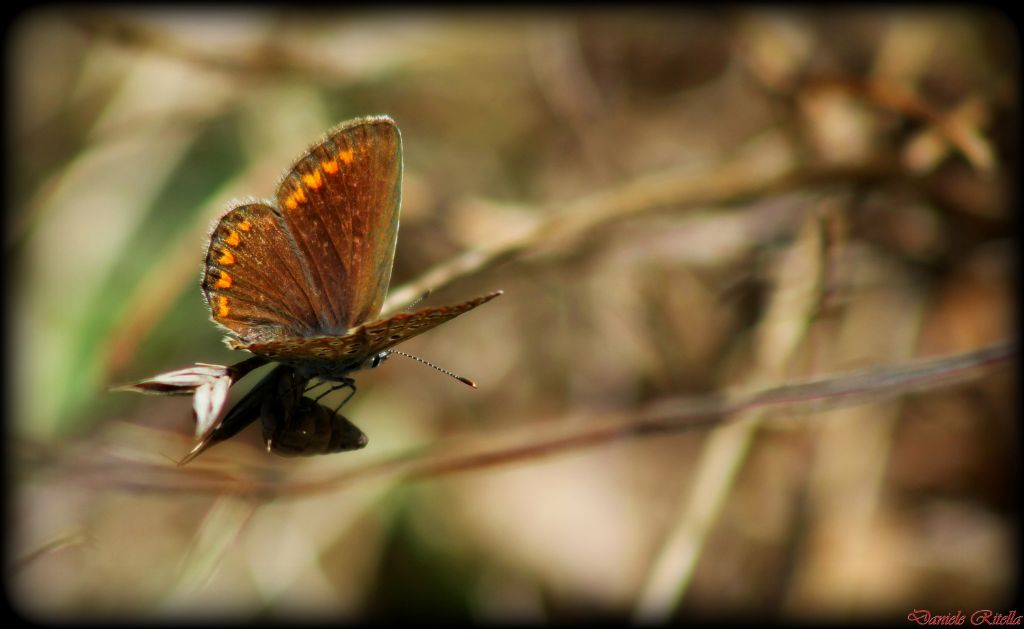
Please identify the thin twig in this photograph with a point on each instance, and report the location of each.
(65, 541)
(764, 166)
(672, 415)
(269, 56)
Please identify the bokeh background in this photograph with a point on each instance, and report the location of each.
(675, 202)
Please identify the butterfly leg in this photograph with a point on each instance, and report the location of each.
(345, 383)
(314, 385)
(328, 391)
(351, 384)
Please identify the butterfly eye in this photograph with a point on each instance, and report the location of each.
(378, 359)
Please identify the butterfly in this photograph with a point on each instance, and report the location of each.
(301, 281)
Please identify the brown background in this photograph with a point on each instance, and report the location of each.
(676, 203)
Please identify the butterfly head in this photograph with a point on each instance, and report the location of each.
(375, 361)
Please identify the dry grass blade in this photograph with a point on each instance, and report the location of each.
(668, 416)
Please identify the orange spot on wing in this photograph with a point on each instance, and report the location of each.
(226, 258)
(222, 307)
(245, 225)
(330, 167)
(295, 198)
(313, 181)
(233, 239)
(224, 281)
(346, 156)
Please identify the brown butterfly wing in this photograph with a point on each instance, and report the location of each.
(341, 205)
(273, 386)
(253, 280)
(340, 354)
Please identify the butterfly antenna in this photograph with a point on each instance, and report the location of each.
(430, 364)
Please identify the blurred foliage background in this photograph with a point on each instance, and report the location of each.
(674, 202)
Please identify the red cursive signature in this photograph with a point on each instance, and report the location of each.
(979, 617)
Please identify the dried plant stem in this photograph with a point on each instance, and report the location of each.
(767, 164)
(267, 57)
(70, 540)
(668, 416)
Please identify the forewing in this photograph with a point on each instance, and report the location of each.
(341, 205)
(253, 280)
(339, 354)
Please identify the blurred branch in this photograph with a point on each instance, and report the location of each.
(765, 165)
(797, 278)
(63, 542)
(958, 128)
(268, 57)
(669, 416)
(219, 531)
